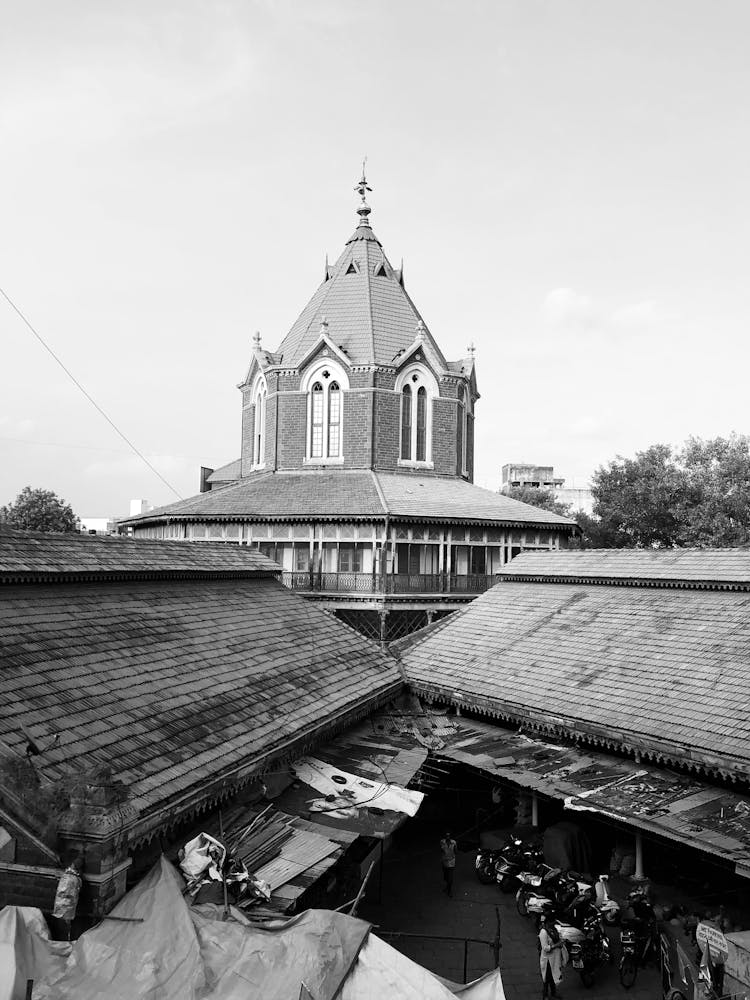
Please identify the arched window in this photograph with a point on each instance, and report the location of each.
(421, 424)
(334, 420)
(326, 384)
(259, 431)
(406, 422)
(465, 433)
(417, 387)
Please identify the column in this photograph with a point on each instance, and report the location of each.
(534, 809)
(639, 875)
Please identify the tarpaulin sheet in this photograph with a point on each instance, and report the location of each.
(179, 953)
(351, 790)
(382, 972)
(26, 951)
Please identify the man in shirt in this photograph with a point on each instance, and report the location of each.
(448, 852)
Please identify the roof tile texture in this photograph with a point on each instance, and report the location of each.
(172, 681)
(715, 565)
(670, 665)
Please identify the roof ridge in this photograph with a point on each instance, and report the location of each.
(381, 494)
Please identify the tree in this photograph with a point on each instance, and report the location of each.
(698, 496)
(39, 510)
(538, 496)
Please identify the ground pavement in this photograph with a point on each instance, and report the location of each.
(413, 900)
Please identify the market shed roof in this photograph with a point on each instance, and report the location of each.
(706, 567)
(656, 670)
(181, 686)
(353, 494)
(40, 555)
(675, 806)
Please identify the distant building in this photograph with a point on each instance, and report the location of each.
(543, 477)
(537, 476)
(98, 525)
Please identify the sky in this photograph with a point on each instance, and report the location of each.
(567, 182)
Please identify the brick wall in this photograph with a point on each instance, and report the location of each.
(387, 423)
(22, 885)
(292, 430)
(357, 414)
(248, 430)
(444, 438)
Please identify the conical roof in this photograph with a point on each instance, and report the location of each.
(362, 298)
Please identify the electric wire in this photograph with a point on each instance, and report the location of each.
(90, 398)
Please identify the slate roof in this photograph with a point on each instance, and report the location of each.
(369, 314)
(351, 494)
(227, 473)
(42, 555)
(177, 684)
(664, 669)
(658, 565)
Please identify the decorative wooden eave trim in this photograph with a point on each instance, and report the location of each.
(615, 581)
(580, 732)
(216, 790)
(99, 576)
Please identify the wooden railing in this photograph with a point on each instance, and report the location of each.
(388, 583)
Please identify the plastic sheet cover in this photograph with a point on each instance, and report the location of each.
(183, 953)
(26, 951)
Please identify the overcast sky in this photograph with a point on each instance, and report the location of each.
(567, 182)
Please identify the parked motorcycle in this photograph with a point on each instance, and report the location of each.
(537, 893)
(590, 950)
(638, 937)
(489, 859)
(510, 868)
(608, 907)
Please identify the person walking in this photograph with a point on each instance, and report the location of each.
(552, 957)
(448, 853)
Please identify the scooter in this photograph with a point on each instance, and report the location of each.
(510, 870)
(608, 907)
(537, 893)
(590, 950)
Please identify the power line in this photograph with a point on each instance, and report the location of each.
(91, 400)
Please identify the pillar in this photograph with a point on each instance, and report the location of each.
(639, 875)
(534, 809)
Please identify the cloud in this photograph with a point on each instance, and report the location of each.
(132, 467)
(15, 427)
(563, 307)
(566, 309)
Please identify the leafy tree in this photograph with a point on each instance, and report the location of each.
(698, 496)
(716, 511)
(39, 510)
(538, 496)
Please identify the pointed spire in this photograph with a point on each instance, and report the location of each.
(256, 340)
(327, 274)
(362, 188)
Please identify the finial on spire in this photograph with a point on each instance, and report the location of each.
(472, 350)
(420, 331)
(324, 326)
(256, 340)
(362, 188)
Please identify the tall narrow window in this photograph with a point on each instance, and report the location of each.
(406, 422)
(421, 424)
(334, 420)
(465, 435)
(260, 427)
(316, 434)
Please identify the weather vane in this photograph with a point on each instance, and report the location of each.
(362, 188)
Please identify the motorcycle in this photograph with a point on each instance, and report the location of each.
(510, 869)
(537, 893)
(489, 860)
(638, 938)
(608, 907)
(589, 950)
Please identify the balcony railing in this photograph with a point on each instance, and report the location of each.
(388, 583)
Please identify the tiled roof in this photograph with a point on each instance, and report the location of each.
(369, 314)
(30, 555)
(227, 473)
(646, 666)
(700, 565)
(175, 683)
(455, 499)
(341, 494)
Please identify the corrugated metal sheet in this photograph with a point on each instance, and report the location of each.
(301, 852)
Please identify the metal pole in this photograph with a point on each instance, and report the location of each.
(380, 874)
(225, 914)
